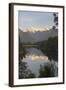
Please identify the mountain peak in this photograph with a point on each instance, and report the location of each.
(35, 29)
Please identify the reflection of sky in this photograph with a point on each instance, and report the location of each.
(27, 19)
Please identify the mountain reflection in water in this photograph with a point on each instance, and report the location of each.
(34, 58)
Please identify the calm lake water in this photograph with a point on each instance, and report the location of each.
(34, 58)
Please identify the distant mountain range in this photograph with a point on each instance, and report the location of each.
(37, 36)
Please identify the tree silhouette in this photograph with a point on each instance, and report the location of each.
(46, 70)
(55, 20)
(24, 72)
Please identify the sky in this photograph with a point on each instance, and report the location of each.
(28, 19)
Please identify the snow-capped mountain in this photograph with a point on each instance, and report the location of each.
(36, 36)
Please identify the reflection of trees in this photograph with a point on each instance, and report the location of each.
(50, 48)
(22, 51)
(24, 72)
(48, 70)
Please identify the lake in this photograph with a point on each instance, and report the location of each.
(34, 58)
